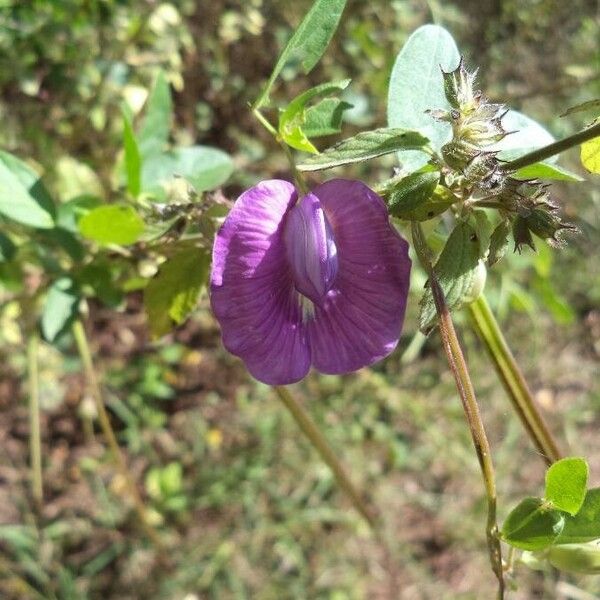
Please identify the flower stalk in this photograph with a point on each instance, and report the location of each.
(109, 434)
(319, 443)
(515, 384)
(458, 366)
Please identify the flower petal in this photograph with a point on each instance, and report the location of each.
(360, 321)
(252, 292)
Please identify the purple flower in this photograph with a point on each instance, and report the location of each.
(321, 282)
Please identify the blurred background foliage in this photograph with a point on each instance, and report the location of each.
(243, 504)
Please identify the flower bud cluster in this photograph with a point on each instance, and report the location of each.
(476, 127)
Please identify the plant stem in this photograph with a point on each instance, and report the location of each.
(35, 444)
(109, 434)
(298, 178)
(515, 384)
(318, 441)
(458, 366)
(554, 148)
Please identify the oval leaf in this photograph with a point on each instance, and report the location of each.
(410, 193)
(456, 269)
(543, 170)
(22, 196)
(309, 42)
(204, 167)
(532, 526)
(585, 525)
(590, 155)
(60, 308)
(364, 146)
(173, 293)
(566, 482)
(417, 85)
(112, 224)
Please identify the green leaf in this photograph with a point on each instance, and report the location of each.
(154, 134)
(98, 277)
(498, 242)
(133, 160)
(31, 180)
(584, 106)
(558, 306)
(70, 212)
(585, 525)
(543, 170)
(112, 224)
(18, 199)
(531, 525)
(417, 85)
(410, 193)
(204, 167)
(325, 118)
(309, 41)
(364, 146)
(60, 308)
(456, 269)
(292, 119)
(173, 293)
(527, 135)
(566, 483)
(7, 248)
(575, 558)
(590, 155)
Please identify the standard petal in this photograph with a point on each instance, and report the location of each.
(252, 292)
(361, 319)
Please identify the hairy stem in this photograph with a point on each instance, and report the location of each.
(458, 366)
(35, 444)
(554, 148)
(488, 330)
(92, 380)
(319, 443)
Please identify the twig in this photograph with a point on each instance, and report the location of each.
(515, 384)
(109, 434)
(319, 443)
(459, 369)
(35, 445)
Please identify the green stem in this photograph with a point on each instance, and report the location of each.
(35, 444)
(458, 366)
(488, 330)
(92, 380)
(298, 177)
(319, 443)
(554, 148)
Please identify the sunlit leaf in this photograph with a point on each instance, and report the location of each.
(309, 41)
(112, 224)
(292, 119)
(154, 134)
(543, 170)
(526, 135)
(417, 85)
(566, 483)
(325, 118)
(204, 167)
(364, 146)
(590, 155)
(133, 161)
